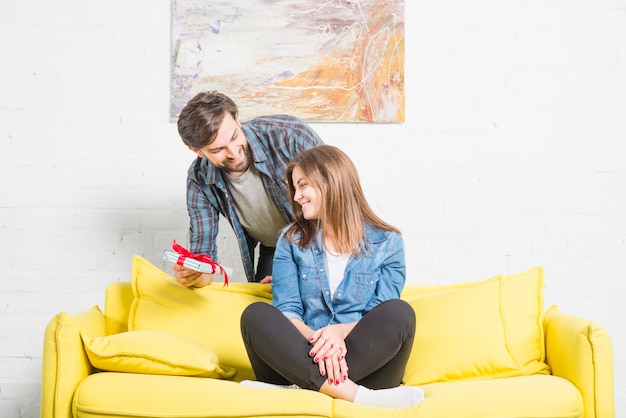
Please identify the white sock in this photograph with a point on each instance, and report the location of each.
(397, 397)
(258, 384)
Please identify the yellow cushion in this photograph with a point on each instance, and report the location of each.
(133, 395)
(154, 352)
(517, 397)
(422, 289)
(209, 315)
(485, 329)
(523, 312)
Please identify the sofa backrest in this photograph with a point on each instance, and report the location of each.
(118, 298)
(473, 330)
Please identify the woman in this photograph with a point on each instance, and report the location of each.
(337, 324)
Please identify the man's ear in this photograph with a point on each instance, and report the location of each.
(197, 151)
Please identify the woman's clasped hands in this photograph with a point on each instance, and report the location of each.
(329, 352)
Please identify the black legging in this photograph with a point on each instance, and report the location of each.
(378, 347)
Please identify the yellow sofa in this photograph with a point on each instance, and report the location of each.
(484, 349)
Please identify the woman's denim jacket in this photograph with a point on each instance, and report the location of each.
(300, 286)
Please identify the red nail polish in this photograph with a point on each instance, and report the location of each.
(316, 359)
(311, 353)
(345, 377)
(337, 381)
(325, 358)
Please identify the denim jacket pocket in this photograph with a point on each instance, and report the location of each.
(366, 285)
(309, 280)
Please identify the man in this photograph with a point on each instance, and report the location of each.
(239, 174)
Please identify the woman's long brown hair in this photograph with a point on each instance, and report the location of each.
(344, 207)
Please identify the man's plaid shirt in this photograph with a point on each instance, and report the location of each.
(274, 141)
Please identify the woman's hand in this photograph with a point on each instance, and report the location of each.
(329, 351)
(191, 278)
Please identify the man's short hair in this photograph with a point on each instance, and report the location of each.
(202, 117)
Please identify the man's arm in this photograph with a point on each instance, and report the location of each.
(203, 230)
(203, 216)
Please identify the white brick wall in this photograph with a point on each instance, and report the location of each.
(512, 156)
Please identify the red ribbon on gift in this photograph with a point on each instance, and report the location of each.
(185, 253)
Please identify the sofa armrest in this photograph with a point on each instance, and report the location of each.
(580, 351)
(65, 363)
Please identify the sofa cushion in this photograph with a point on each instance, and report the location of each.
(208, 315)
(486, 329)
(515, 397)
(154, 352)
(127, 395)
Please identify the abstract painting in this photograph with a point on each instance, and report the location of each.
(323, 61)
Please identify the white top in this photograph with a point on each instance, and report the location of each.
(336, 269)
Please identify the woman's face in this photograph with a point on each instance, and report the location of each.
(306, 195)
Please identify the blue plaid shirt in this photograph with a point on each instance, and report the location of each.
(274, 141)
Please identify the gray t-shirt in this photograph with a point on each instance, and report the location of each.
(258, 214)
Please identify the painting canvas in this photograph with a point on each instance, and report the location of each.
(323, 61)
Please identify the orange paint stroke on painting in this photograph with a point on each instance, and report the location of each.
(365, 78)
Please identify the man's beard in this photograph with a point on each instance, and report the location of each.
(241, 167)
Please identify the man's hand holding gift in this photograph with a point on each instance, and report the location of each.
(192, 270)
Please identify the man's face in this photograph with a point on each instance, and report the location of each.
(229, 150)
